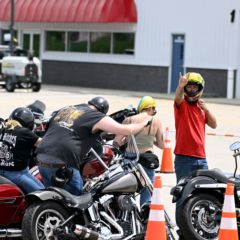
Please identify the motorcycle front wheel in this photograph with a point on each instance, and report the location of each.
(41, 219)
(199, 218)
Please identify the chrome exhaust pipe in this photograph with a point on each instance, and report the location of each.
(86, 233)
(120, 233)
(10, 232)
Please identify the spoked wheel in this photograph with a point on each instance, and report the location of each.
(200, 217)
(40, 221)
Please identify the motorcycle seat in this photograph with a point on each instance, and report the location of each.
(82, 202)
(216, 174)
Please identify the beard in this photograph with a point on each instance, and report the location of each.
(191, 100)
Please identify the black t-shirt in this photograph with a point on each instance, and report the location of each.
(15, 148)
(69, 136)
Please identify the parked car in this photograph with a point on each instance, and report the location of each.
(20, 70)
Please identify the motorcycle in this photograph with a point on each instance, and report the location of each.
(12, 207)
(107, 211)
(12, 198)
(199, 199)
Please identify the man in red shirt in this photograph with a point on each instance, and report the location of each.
(191, 116)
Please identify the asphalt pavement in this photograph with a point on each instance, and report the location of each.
(227, 112)
(124, 93)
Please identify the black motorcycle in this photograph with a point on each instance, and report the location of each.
(199, 199)
(107, 211)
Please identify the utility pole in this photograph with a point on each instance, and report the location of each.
(12, 27)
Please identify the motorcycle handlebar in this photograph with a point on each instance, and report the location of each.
(236, 154)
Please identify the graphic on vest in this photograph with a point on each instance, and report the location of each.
(6, 150)
(66, 117)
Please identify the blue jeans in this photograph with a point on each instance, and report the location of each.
(23, 179)
(74, 186)
(145, 195)
(184, 165)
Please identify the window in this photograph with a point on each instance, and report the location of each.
(100, 42)
(26, 41)
(90, 42)
(78, 41)
(123, 43)
(36, 44)
(55, 41)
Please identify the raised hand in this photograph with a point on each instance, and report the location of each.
(182, 80)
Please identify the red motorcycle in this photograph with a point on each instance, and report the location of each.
(12, 208)
(12, 198)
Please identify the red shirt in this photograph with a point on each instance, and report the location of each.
(190, 122)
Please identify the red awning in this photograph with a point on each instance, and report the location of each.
(70, 11)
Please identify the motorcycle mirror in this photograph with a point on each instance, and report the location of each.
(235, 146)
(37, 107)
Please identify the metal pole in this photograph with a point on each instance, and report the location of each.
(12, 27)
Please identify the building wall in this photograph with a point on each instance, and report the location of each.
(210, 37)
(211, 47)
(211, 42)
(109, 76)
(125, 77)
(215, 81)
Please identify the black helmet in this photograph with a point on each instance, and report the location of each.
(100, 103)
(24, 116)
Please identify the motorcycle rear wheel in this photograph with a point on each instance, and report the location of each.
(197, 221)
(41, 218)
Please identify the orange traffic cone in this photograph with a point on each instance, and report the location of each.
(228, 226)
(156, 222)
(167, 162)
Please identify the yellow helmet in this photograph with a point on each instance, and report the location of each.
(194, 79)
(145, 103)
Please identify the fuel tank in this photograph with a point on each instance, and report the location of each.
(122, 183)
